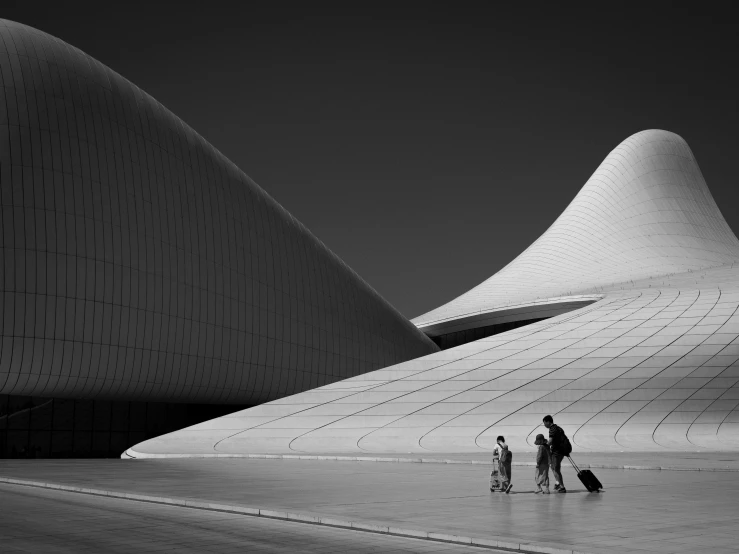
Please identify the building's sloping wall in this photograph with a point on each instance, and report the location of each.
(652, 365)
(138, 263)
(645, 212)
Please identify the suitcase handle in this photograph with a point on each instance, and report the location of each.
(577, 469)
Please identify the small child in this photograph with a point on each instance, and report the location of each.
(542, 465)
(504, 464)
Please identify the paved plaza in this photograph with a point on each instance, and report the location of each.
(639, 511)
(79, 523)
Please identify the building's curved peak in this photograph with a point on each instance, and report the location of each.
(646, 211)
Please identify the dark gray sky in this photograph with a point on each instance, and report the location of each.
(426, 146)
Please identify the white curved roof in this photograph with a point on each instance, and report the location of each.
(653, 364)
(645, 212)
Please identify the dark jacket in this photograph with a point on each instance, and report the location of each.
(557, 435)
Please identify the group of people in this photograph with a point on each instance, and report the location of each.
(549, 454)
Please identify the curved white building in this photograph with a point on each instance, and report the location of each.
(144, 278)
(645, 212)
(641, 274)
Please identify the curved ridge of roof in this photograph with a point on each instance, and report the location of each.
(646, 211)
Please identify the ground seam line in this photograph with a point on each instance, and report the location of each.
(418, 461)
(524, 548)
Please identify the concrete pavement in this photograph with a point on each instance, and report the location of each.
(640, 511)
(74, 523)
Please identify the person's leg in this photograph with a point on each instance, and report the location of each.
(504, 478)
(556, 464)
(545, 478)
(538, 479)
(508, 476)
(552, 464)
(557, 471)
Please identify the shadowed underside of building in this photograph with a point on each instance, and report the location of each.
(139, 266)
(639, 282)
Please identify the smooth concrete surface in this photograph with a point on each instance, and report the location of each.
(294, 517)
(75, 523)
(639, 511)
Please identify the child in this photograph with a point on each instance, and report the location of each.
(504, 464)
(542, 465)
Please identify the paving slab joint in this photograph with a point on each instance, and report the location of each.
(522, 548)
(131, 454)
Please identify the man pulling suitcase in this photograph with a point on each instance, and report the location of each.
(560, 448)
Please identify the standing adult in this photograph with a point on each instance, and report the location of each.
(557, 450)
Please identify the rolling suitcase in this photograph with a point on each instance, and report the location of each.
(587, 477)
